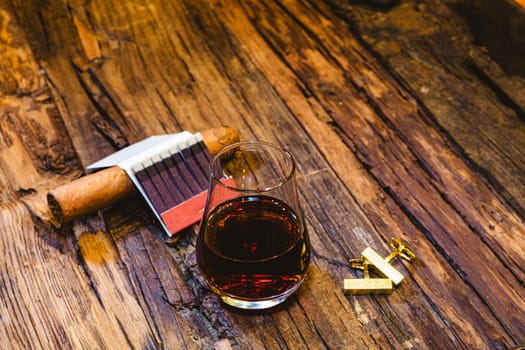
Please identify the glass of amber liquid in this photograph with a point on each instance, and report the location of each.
(253, 249)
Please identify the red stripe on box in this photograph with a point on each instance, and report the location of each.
(190, 211)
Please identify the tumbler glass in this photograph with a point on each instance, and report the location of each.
(253, 249)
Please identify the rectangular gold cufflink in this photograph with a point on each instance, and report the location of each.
(383, 267)
(367, 286)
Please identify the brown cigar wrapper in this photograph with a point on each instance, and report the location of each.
(104, 188)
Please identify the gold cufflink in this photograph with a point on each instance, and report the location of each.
(366, 285)
(383, 265)
(370, 257)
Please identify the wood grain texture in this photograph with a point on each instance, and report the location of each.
(394, 136)
(475, 84)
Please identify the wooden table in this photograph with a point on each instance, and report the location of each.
(406, 121)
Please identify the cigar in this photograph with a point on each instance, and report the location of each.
(104, 188)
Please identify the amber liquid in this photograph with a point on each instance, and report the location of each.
(253, 248)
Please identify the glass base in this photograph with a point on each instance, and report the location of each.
(261, 304)
(252, 305)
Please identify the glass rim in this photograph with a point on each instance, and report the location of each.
(229, 148)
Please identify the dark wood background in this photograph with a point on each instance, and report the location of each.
(406, 121)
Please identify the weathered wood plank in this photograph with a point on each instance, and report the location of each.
(56, 292)
(336, 96)
(473, 89)
(377, 157)
(48, 302)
